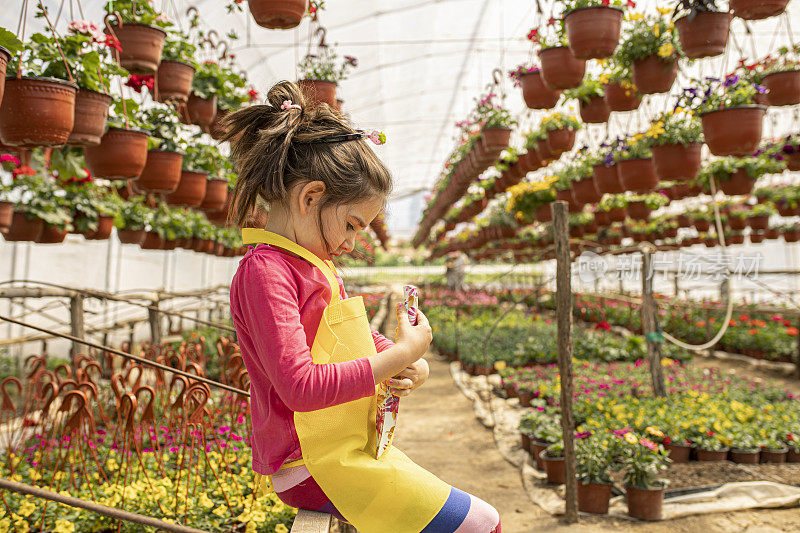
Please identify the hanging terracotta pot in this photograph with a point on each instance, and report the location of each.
(105, 224)
(544, 213)
(733, 130)
(174, 81)
(677, 162)
(595, 111)
(37, 112)
(278, 14)
(554, 467)
(152, 241)
(190, 191)
(759, 222)
(601, 218)
(536, 94)
(560, 69)
(772, 233)
(740, 182)
(24, 228)
(121, 155)
(495, 140)
(593, 497)
(216, 194)
(644, 504)
(702, 225)
(201, 110)
(789, 235)
(653, 74)
(141, 47)
(544, 153)
(131, 236)
(5, 57)
(561, 141)
(161, 173)
(638, 210)
(91, 112)
(534, 163)
(757, 9)
(638, 175)
(318, 92)
(51, 235)
(585, 192)
(593, 32)
(792, 160)
(756, 238)
(704, 35)
(619, 98)
(617, 214)
(6, 215)
(784, 87)
(606, 179)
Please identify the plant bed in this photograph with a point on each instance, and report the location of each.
(50, 100)
(593, 32)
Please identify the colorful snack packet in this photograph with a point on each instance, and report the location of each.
(388, 403)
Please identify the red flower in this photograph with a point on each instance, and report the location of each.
(710, 433)
(792, 332)
(786, 323)
(552, 21)
(113, 42)
(789, 437)
(606, 2)
(533, 34)
(136, 82)
(603, 325)
(744, 318)
(666, 440)
(24, 170)
(253, 94)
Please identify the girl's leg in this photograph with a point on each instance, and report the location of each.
(465, 513)
(296, 488)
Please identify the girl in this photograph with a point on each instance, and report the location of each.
(313, 362)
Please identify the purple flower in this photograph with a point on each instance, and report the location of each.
(761, 89)
(733, 79)
(788, 149)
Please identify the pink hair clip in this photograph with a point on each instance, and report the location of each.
(377, 137)
(287, 104)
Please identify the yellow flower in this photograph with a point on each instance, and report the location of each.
(499, 365)
(5, 525)
(251, 527)
(220, 511)
(205, 501)
(280, 528)
(27, 508)
(654, 431)
(664, 10)
(666, 50)
(635, 16)
(630, 438)
(64, 526)
(656, 30)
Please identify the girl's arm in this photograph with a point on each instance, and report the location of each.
(412, 343)
(381, 342)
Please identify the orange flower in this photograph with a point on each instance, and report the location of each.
(744, 318)
(701, 324)
(793, 331)
(712, 320)
(753, 331)
(732, 323)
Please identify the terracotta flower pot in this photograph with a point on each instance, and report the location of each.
(760, 222)
(6, 215)
(91, 112)
(174, 81)
(712, 455)
(561, 141)
(740, 182)
(318, 92)
(638, 210)
(702, 225)
(536, 94)
(784, 87)
(141, 47)
(544, 213)
(653, 74)
(758, 9)
(105, 224)
(791, 235)
(544, 152)
(734, 130)
(757, 238)
(554, 467)
(534, 163)
(772, 233)
(536, 449)
(793, 456)
(51, 235)
(5, 56)
(619, 98)
(595, 111)
(37, 112)
(593, 497)
(617, 214)
(24, 228)
(525, 441)
(216, 194)
(560, 69)
(202, 111)
(121, 155)
(131, 236)
(793, 161)
(606, 179)
(679, 453)
(737, 223)
(161, 173)
(677, 161)
(593, 32)
(278, 14)
(495, 139)
(745, 456)
(705, 35)
(645, 504)
(170, 244)
(191, 189)
(735, 239)
(584, 191)
(638, 175)
(774, 456)
(152, 241)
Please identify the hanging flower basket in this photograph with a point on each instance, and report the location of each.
(190, 191)
(618, 214)
(131, 236)
(653, 74)
(52, 235)
(593, 32)
(174, 81)
(783, 87)
(6, 215)
(677, 162)
(756, 238)
(278, 14)
(121, 155)
(637, 175)
(494, 140)
(5, 56)
(789, 235)
(560, 69)
(645, 504)
(638, 210)
(619, 98)
(758, 222)
(24, 228)
(161, 173)
(740, 182)
(602, 219)
(757, 9)
(152, 241)
(594, 497)
(585, 192)
(141, 47)
(37, 112)
(536, 94)
(561, 140)
(705, 35)
(105, 224)
(318, 92)
(606, 179)
(544, 152)
(91, 112)
(733, 130)
(534, 163)
(202, 111)
(544, 213)
(216, 194)
(595, 111)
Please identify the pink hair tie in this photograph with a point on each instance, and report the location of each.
(287, 104)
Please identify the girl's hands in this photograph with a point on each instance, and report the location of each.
(409, 379)
(413, 339)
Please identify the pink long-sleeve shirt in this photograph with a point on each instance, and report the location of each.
(277, 301)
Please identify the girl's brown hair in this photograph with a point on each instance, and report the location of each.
(273, 149)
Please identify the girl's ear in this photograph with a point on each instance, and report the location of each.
(310, 195)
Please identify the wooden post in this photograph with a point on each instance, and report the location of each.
(131, 330)
(154, 317)
(649, 326)
(677, 286)
(77, 328)
(564, 316)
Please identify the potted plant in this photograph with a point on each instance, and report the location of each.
(561, 129)
(649, 46)
(131, 220)
(538, 138)
(641, 205)
(731, 121)
(139, 29)
(594, 457)
(176, 70)
(744, 447)
(616, 206)
(535, 93)
(780, 75)
(219, 185)
(199, 162)
(583, 187)
(710, 446)
(791, 232)
(232, 94)
(122, 152)
(773, 448)
(546, 431)
(10, 46)
(621, 93)
(280, 14)
(606, 171)
(757, 9)
(593, 26)
(591, 99)
(676, 444)
(702, 28)
(93, 206)
(642, 460)
(737, 175)
(37, 204)
(560, 69)
(553, 460)
(162, 171)
(635, 162)
(793, 443)
(675, 140)
(790, 149)
(202, 103)
(320, 73)
(758, 216)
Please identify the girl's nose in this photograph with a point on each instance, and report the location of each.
(349, 244)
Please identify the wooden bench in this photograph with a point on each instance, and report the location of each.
(312, 522)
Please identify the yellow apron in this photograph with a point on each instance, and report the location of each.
(339, 443)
